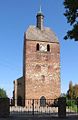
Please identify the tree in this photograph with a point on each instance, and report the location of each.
(2, 93)
(70, 91)
(71, 13)
(75, 87)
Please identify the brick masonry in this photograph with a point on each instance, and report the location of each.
(42, 70)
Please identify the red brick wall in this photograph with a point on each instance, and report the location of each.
(41, 71)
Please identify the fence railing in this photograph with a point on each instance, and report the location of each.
(55, 107)
(72, 107)
(35, 107)
(61, 107)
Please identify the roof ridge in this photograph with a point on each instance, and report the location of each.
(48, 35)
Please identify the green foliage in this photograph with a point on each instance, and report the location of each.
(75, 89)
(71, 13)
(72, 92)
(3, 93)
(71, 103)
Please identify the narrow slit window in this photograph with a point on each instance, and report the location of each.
(37, 47)
(48, 47)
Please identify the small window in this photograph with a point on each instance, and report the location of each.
(48, 47)
(37, 47)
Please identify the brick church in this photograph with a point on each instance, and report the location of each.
(41, 65)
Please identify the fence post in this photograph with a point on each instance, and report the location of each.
(4, 107)
(33, 107)
(62, 107)
(77, 104)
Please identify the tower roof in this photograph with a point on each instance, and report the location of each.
(34, 33)
(39, 32)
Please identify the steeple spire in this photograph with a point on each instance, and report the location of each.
(40, 9)
(40, 19)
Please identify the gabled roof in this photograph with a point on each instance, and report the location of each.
(34, 33)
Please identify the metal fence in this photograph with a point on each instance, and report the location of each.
(36, 107)
(46, 107)
(71, 107)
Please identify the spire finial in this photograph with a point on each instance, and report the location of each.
(40, 8)
(40, 18)
(40, 11)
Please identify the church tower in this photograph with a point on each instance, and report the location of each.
(41, 61)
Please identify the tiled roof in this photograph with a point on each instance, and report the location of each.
(34, 33)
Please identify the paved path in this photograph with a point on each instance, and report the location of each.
(40, 118)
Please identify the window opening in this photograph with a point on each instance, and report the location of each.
(37, 47)
(48, 47)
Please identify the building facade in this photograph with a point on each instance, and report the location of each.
(41, 64)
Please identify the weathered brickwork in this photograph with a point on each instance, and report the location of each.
(42, 71)
(19, 91)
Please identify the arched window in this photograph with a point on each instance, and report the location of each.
(37, 47)
(19, 101)
(48, 47)
(43, 101)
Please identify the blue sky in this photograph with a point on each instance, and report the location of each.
(15, 17)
